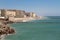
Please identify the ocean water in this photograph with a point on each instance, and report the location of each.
(48, 29)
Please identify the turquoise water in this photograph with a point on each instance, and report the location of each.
(36, 30)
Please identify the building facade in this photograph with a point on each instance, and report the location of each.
(10, 13)
(20, 13)
(16, 13)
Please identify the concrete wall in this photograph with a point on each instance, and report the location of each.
(20, 19)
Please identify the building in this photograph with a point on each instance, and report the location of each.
(16, 15)
(0, 12)
(34, 15)
(20, 13)
(27, 14)
(7, 13)
(30, 14)
(10, 13)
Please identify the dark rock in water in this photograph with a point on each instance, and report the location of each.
(5, 29)
(11, 31)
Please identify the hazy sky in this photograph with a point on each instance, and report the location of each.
(40, 7)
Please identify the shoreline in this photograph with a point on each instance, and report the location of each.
(5, 30)
(26, 19)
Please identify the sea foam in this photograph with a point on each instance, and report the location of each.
(2, 37)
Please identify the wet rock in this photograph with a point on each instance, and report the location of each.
(5, 29)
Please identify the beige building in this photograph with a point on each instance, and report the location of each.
(10, 13)
(7, 13)
(33, 15)
(30, 14)
(27, 14)
(15, 13)
(20, 13)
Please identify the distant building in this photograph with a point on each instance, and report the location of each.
(10, 13)
(27, 14)
(20, 13)
(1, 17)
(7, 12)
(30, 14)
(0, 12)
(16, 13)
(34, 15)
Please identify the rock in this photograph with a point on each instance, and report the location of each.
(5, 29)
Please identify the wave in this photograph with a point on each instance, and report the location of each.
(2, 37)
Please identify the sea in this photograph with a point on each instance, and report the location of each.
(45, 29)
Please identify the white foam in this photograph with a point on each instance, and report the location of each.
(2, 37)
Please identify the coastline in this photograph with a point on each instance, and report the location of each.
(5, 30)
(26, 19)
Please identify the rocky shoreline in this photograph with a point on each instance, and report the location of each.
(5, 30)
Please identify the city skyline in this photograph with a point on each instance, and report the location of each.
(40, 7)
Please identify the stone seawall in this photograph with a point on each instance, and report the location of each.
(21, 19)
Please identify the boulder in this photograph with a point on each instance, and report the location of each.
(5, 29)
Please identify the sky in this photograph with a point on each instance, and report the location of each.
(40, 7)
